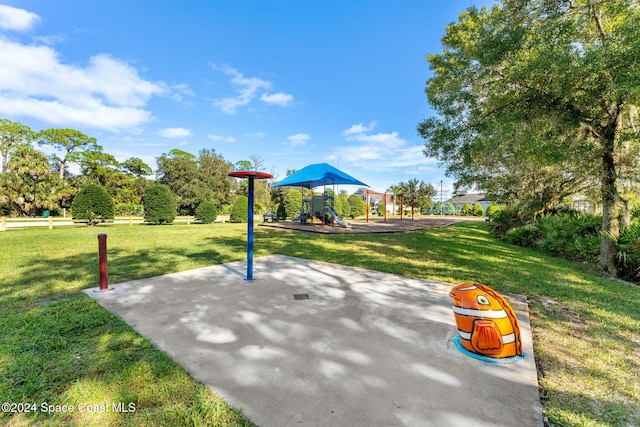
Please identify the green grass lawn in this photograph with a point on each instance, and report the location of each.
(60, 347)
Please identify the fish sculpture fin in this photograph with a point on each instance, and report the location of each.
(486, 337)
(510, 313)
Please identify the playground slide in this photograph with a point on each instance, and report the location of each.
(338, 218)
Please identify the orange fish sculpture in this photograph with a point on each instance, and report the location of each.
(487, 325)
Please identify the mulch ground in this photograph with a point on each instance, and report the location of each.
(392, 225)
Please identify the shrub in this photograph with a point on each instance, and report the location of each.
(206, 212)
(292, 204)
(225, 210)
(449, 209)
(466, 209)
(358, 206)
(478, 210)
(159, 205)
(128, 209)
(507, 218)
(492, 210)
(635, 211)
(346, 207)
(240, 210)
(281, 213)
(628, 251)
(338, 206)
(259, 208)
(522, 236)
(92, 203)
(572, 235)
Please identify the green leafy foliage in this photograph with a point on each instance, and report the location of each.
(207, 212)
(292, 204)
(128, 209)
(492, 210)
(466, 209)
(159, 205)
(525, 236)
(569, 235)
(477, 210)
(536, 102)
(93, 204)
(346, 207)
(195, 179)
(628, 255)
(358, 207)
(240, 210)
(507, 218)
(73, 142)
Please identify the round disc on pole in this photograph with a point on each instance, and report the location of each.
(252, 174)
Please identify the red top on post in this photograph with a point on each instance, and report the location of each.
(250, 174)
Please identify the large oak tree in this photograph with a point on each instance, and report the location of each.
(538, 97)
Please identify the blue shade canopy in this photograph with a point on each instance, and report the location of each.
(317, 175)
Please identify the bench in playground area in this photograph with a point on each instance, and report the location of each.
(269, 217)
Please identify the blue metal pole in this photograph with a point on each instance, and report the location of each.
(250, 232)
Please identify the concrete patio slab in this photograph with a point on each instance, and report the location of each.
(364, 349)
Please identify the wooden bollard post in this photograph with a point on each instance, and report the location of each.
(102, 262)
(50, 223)
(3, 227)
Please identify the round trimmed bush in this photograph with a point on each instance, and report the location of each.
(240, 210)
(466, 209)
(206, 212)
(292, 203)
(159, 205)
(93, 204)
(478, 210)
(346, 207)
(492, 210)
(358, 206)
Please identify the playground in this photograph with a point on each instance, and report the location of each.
(390, 225)
(318, 213)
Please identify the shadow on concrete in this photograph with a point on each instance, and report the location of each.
(366, 348)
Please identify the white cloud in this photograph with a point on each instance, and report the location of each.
(248, 89)
(297, 140)
(360, 132)
(381, 151)
(359, 129)
(255, 135)
(180, 91)
(220, 138)
(15, 19)
(174, 132)
(279, 98)
(50, 40)
(105, 93)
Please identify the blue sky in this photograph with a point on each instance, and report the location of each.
(293, 82)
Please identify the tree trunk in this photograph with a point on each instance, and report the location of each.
(610, 198)
(61, 172)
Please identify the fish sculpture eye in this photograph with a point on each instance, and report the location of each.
(483, 300)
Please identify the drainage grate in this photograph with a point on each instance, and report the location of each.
(300, 296)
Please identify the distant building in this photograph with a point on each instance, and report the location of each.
(472, 199)
(376, 199)
(583, 204)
